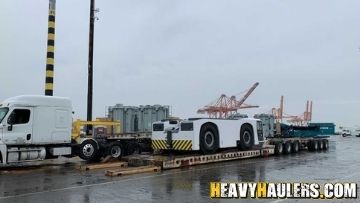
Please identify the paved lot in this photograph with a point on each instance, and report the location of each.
(55, 183)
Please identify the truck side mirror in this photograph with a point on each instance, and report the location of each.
(11, 121)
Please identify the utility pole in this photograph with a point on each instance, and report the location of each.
(90, 65)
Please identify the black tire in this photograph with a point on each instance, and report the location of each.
(209, 139)
(295, 147)
(1, 158)
(246, 137)
(309, 145)
(116, 150)
(88, 150)
(320, 145)
(287, 148)
(279, 149)
(326, 144)
(313, 145)
(131, 148)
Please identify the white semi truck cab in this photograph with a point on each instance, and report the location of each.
(34, 128)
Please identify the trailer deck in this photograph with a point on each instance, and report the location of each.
(173, 161)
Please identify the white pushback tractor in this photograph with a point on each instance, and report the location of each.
(40, 127)
(207, 135)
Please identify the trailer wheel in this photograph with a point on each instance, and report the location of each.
(316, 145)
(320, 145)
(326, 144)
(115, 150)
(279, 148)
(88, 150)
(287, 148)
(209, 139)
(313, 145)
(295, 147)
(246, 137)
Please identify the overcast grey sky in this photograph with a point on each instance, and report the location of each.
(186, 53)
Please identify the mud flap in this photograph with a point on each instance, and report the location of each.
(3, 150)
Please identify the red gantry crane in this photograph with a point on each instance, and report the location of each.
(225, 106)
(300, 120)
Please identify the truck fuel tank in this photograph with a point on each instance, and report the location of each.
(18, 154)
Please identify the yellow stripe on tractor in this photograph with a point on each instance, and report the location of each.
(181, 145)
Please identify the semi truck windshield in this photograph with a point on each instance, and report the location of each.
(3, 112)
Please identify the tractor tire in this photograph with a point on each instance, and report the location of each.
(209, 139)
(246, 137)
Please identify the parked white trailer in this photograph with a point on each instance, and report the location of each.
(207, 135)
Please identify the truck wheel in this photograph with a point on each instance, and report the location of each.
(209, 139)
(115, 150)
(130, 148)
(316, 145)
(309, 145)
(246, 137)
(320, 145)
(88, 150)
(279, 148)
(313, 145)
(287, 148)
(295, 147)
(326, 144)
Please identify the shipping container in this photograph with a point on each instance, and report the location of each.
(325, 128)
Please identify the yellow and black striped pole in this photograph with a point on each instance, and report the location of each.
(49, 81)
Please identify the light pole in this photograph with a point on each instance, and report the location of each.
(90, 65)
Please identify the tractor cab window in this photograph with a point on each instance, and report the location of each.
(19, 116)
(158, 127)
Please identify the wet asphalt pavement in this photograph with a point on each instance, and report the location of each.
(64, 183)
